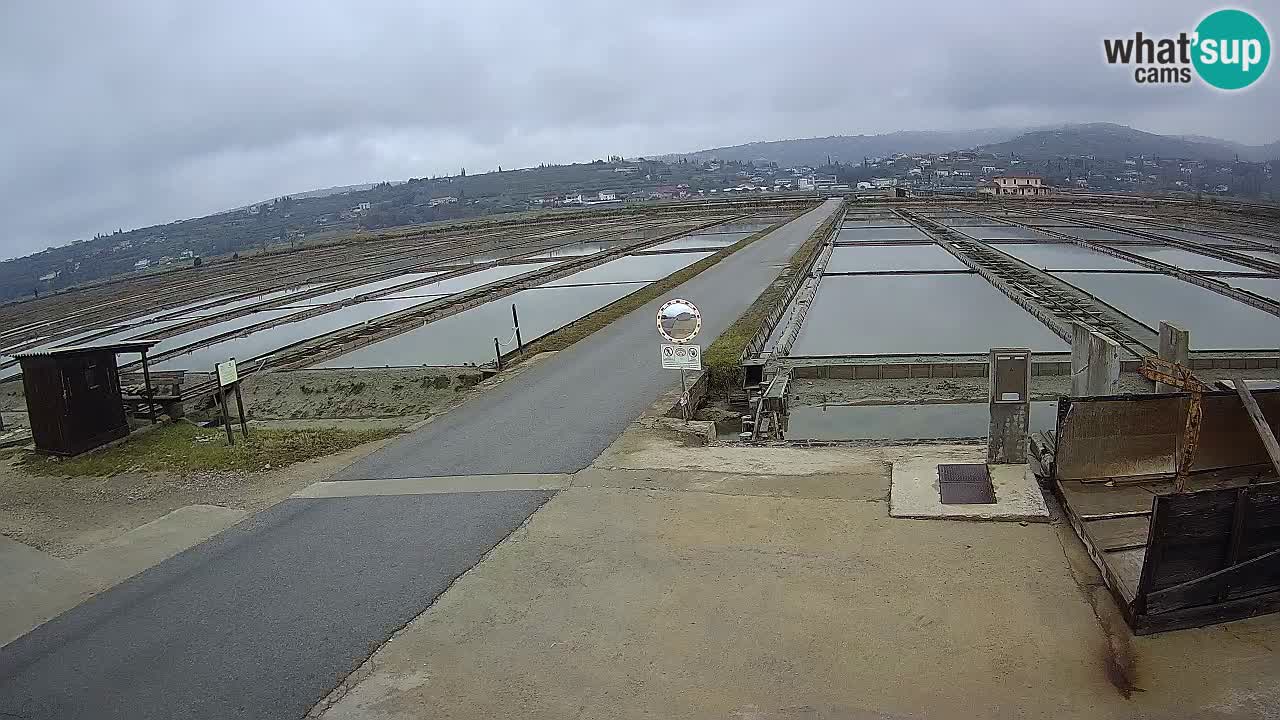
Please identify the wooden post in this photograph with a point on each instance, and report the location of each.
(146, 381)
(516, 319)
(244, 424)
(1175, 346)
(1259, 421)
(497, 353)
(226, 416)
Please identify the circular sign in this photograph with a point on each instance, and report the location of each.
(679, 320)
(1232, 51)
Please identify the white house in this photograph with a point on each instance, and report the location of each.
(142, 264)
(804, 183)
(606, 196)
(864, 185)
(1017, 185)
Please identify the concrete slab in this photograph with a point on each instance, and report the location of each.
(622, 604)
(865, 485)
(150, 544)
(35, 586)
(913, 491)
(432, 485)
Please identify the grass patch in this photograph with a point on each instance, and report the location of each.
(184, 448)
(722, 360)
(580, 329)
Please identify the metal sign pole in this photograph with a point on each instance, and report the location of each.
(679, 322)
(684, 397)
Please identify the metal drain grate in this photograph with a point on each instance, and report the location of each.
(965, 485)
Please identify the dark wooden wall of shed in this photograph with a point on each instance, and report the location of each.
(74, 401)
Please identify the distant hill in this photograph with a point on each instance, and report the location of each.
(1103, 140)
(851, 148)
(323, 192)
(1116, 142)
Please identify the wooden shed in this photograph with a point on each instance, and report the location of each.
(73, 395)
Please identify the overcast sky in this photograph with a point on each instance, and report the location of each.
(125, 114)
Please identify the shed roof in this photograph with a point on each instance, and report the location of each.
(125, 346)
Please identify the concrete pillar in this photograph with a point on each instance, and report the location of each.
(1081, 334)
(1010, 405)
(1175, 346)
(1104, 365)
(1095, 363)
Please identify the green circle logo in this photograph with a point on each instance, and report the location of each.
(1232, 49)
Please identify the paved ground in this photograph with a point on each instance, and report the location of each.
(264, 619)
(659, 594)
(566, 411)
(261, 621)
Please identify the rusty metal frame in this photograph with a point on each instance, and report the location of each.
(1181, 377)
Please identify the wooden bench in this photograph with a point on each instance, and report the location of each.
(166, 388)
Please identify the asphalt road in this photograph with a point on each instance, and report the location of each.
(567, 410)
(263, 620)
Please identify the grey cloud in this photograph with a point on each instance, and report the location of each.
(126, 114)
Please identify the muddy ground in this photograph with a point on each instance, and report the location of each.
(364, 393)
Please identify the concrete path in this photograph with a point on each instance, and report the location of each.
(263, 620)
(36, 586)
(565, 412)
(651, 597)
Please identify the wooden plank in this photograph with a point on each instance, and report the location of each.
(1237, 536)
(1151, 556)
(1249, 564)
(1116, 515)
(1113, 584)
(1096, 499)
(1259, 421)
(1126, 568)
(1121, 533)
(1234, 609)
